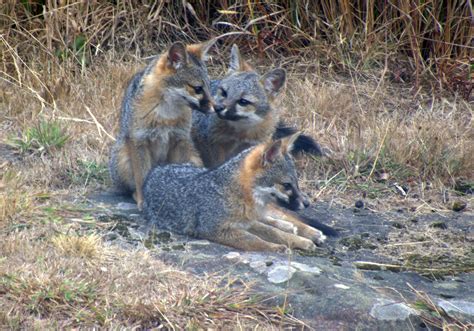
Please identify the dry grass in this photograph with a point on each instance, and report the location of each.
(360, 98)
(71, 280)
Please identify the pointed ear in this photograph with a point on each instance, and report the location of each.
(235, 59)
(177, 56)
(236, 62)
(271, 153)
(201, 50)
(273, 81)
(289, 142)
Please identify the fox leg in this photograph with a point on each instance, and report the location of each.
(278, 236)
(241, 239)
(280, 218)
(183, 151)
(140, 161)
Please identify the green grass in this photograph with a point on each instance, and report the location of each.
(46, 137)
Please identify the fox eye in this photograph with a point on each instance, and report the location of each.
(243, 102)
(198, 89)
(223, 93)
(287, 186)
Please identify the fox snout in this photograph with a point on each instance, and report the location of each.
(219, 108)
(294, 200)
(206, 106)
(298, 201)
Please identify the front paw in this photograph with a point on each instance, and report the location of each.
(318, 238)
(306, 245)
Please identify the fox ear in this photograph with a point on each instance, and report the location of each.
(273, 81)
(235, 59)
(177, 56)
(271, 153)
(236, 62)
(289, 142)
(201, 50)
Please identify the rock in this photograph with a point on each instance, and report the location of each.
(439, 225)
(306, 268)
(459, 205)
(232, 255)
(387, 310)
(126, 206)
(259, 266)
(280, 274)
(458, 307)
(342, 286)
(359, 204)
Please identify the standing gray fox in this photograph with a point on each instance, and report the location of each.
(155, 121)
(245, 114)
(233, 204)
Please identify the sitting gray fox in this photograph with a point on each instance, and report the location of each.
(233, 204)
(155, 123)
(245, 114)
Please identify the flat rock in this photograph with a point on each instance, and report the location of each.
(323, 289)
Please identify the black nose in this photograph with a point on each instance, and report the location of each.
(218, 108)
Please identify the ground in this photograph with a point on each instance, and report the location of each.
(396, 182)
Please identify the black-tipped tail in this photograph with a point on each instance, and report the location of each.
(326, 229)
(303, 144)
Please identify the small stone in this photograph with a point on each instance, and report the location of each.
(359, 204)
(178, 247)
(232, 255)
(126, 206)
(259, 266)
(268, 263)
(306, 268)
(439, 225)
(280, 274)
(342, 286)
(459, 205)
(398, 225)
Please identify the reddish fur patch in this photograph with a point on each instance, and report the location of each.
(251, 167)
(245, 66)
(195, 49)
(153, 86)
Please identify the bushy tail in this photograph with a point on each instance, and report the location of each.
(302, 144)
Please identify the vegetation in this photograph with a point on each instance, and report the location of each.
(384, 86)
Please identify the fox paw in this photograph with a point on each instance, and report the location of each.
(306, 245)
(319, 238)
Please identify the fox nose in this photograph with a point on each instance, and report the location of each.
(219, 108)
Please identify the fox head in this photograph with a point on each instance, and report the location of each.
(244, 97)
(276, 179)
(186, 71)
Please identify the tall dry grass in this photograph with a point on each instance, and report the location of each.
(426, 42)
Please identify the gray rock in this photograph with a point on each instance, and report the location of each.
(388, 310)
(280, 274)
(126, 206)
(322, 289)
(458, 306)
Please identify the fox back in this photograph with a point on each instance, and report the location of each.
(205, 203)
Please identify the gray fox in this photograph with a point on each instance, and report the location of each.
(233, 204)
(245, 114)
(155, 121)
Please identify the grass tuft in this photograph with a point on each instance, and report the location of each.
(45, 137)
